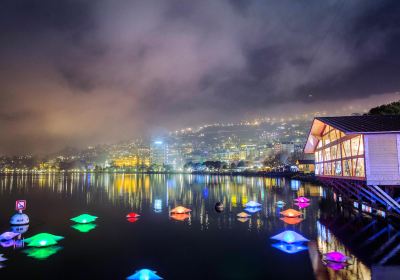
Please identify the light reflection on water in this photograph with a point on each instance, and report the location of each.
(156, 195)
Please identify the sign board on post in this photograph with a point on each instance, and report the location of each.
(20, 205)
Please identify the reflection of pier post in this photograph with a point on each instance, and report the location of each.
(320, 271)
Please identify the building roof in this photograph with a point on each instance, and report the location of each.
(364, 124)
(352, 125)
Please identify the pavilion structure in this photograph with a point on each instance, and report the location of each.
(359, 156)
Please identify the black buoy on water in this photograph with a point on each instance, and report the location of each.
(219, 207)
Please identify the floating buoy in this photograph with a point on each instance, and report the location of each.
(219, 207)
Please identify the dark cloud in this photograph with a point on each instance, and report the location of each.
(84, 72)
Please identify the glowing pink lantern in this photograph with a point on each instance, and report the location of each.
(335, 257)
(336, 266)
(302, 199)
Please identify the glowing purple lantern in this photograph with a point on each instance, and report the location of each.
(8, 235)
(302, 199)
(336, 257)
(302, 204)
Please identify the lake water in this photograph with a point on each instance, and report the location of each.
(206, 245)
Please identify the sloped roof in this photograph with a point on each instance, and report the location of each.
(364, 124)
(352, 125)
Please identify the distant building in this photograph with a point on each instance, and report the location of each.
(305, 166)
(284, 148)
(158, 152)
(365, 148)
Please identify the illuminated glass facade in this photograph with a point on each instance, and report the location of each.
(339, 155)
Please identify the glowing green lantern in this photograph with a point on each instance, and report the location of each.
(84, 219)
(84, 227)
(42, 253)
(43, 240)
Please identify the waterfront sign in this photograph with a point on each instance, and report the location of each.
(20, 205)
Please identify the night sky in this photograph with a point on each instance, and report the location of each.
(74, 73)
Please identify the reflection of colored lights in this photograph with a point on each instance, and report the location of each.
(144, 274)
(180, 210)
(84, 218)
(294, 185)
(84, 227)
(42, 253)
(290, 248)
(180, 217)
(8, 243)
(133, 215)
(292, 221)
(252, 209)
(43, 239)
(336, 266)
(132, 220)
(252, 204)
(289, 236)
(243, 215)
(158, 205)
(291, 213)
(243, 220)
(302, 204)
(2, 259)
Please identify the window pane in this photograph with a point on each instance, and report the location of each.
(346, 149)
(347, 167)
(327, 154)
(360, 171)
(355, 144)
(338, 168)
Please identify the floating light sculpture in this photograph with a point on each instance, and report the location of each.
(8, 235)
(252, 210)
(2, 259)
(180, 210)
(335, 257)
(291, 213)
(144, 274)
(42, 253)
(336, 266)
(280, 203)
(243, 220)
(290, 248)
(252, 204)
(302, 204)
(84, 219)
(43, 240)
(133, 215)
(132, 220)
(84, 227)
(302, 199)
(292, 221)
(289, 236)
(243, 215)
(180, 217)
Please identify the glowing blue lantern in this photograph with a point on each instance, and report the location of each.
(144, 274)
(2, 259)
(290, 236)
(280, 203)
(252, 204)
(252, 210)
(290, 248)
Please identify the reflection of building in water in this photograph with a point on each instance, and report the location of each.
(327, 242)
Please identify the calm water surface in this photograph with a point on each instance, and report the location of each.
(208, 245)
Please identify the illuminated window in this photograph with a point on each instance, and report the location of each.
(346, 149)
(338, 168)
(347, 167)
